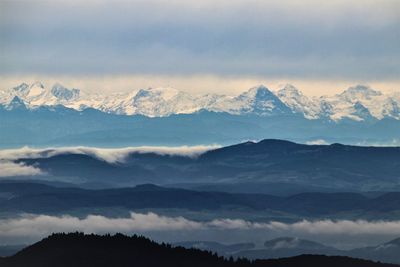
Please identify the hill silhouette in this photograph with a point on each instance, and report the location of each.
(43, 199)
(264, 167)
(78, 249)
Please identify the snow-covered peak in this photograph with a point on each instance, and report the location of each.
(164, 93)
(37, 84)
(65, 94)
(259, 100)
(391, 108)
(152, 102)
(360, 103)
(25, 90)
(359, 92)
(36, 89)
(289, 90)
(36, 95)
(22, 88)
(361, 111)
(298, 102)
(259, 92)
(16, 103)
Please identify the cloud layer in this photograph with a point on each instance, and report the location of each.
(9, 169)
(38, 226)
(110, 155)
(303, 39)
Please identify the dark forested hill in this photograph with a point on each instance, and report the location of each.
(79, 250)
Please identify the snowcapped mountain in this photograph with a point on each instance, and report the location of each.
(298, 102)
(15, 103)
(358, 103)
(257, 100)
(261, 101)
(154, 102)
(62, 93)
(36, 95)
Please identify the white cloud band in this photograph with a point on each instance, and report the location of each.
(42, 225)
(110, 155)
(9, 169)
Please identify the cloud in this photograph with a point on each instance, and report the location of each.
(393, 142)
(317, 142)
(297, 39)
(324, 227)
(42, 225)
(193, 84)
(110, 155)
(9, 169)
(37, 226)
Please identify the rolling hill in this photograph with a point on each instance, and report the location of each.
(79, 249)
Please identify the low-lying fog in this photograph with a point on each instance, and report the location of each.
(343, 234)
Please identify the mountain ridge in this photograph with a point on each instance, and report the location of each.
(28, 197)
(357, 103)
(339, 167)
(78, 249)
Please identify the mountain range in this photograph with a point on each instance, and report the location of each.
(27, 197)
(36, 198)
(358, 103)
(271, 165)
(292, 246)
(36, 116)
(288, 247)
(78, 249)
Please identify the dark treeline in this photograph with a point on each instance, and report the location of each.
(78, 249)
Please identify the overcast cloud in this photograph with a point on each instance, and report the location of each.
(356, 40)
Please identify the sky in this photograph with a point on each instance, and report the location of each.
(202, 46)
